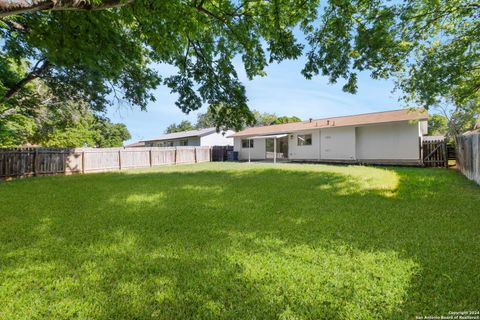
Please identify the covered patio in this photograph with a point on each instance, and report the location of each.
(276, 147)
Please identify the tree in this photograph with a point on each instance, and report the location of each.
(104, 56)
(39, 117)
(430, 47)
(107, 49)
(17, 7)
(286, 119)
(266, 119)
(205, 120)
(208, 119)
(89, 131)
(437, 125)
(15, 130)
(224, 117)
(184, 125)
(458, 119)
(110, 134)
(73, 135)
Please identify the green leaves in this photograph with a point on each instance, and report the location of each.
(184, 125)
(430, 48)
(109, 55)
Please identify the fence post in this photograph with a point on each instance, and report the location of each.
(83, 161)
(445, 155)
(35, 159)
(175, 155)
(120, 159)
(64, 162)
(150, 157)
(195, 154)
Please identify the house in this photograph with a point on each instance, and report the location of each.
(201, 137)
(390, 137)
(138, 144)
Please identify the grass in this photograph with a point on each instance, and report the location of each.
(240, 241)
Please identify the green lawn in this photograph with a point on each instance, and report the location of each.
(240, 241)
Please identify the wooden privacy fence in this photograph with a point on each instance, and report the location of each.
(468, 156)
(18, 162)
(219, 153)
(435, 153)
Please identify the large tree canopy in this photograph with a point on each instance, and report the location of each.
(40, 117)
(107, 51)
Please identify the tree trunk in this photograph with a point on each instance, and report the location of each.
(11, 7)
(35, 73)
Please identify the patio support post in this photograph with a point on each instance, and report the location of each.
(249, 145)
(275, 150)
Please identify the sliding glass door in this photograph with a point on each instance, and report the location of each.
(282, 148)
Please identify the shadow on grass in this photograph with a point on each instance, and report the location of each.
(356, 243)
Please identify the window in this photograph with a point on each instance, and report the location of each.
(304, 139)
(184, 142)
(245, 143)
(169, 143)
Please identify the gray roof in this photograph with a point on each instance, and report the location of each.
(184, 134)
(135, 144)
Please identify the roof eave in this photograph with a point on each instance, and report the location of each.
(238, 135)
(167, 139)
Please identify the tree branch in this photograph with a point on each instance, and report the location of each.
(11, 7)
(35, 73)
(14, 25)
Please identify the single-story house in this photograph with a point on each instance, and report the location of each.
(202, 137)
(138, 144)
(390, 137)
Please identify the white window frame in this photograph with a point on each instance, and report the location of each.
(250, 144)
(304, 138)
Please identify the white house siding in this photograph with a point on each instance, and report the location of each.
(391, 141)
(256, 153)
(192, 141)
(394, 141)
(337, 143)
(423, 128)
(296, 152)
(217, 139)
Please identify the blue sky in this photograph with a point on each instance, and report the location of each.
(283, 91)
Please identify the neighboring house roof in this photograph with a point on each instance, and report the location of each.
(354, 120)
(184, 134)
(135, 144)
